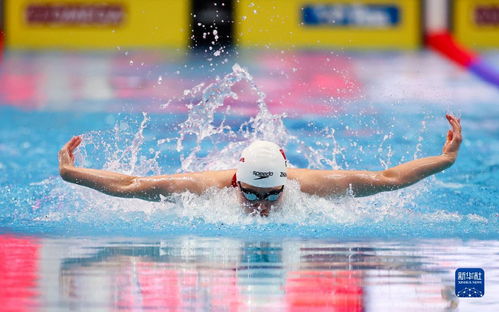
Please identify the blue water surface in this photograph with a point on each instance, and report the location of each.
(346, 118)
(460, 202)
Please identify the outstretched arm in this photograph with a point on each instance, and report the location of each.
(147, 188)
(364, 183)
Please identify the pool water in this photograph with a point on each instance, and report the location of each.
(64, 247)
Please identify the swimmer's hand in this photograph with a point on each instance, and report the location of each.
(66, 156)
(454, 138)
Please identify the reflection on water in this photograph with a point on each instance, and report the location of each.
(225, 274)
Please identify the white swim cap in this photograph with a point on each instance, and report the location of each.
(262, 164)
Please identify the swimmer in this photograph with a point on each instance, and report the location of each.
(261, 176)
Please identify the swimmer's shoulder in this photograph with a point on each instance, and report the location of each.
(218, 178)
(301, 173)
(313, 181)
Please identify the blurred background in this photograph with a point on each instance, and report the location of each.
(148, 51)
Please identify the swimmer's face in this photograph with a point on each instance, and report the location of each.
(264, 198)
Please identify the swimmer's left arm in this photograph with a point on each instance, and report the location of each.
(147, 188)
(365, 183)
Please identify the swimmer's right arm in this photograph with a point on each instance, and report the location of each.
(365, 183)
(147, 188)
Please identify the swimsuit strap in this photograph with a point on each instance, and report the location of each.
(234, 181)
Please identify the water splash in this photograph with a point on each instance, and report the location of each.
(206, 129)
(224, 141)
(208, 140)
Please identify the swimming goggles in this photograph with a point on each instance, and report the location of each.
(253, 196)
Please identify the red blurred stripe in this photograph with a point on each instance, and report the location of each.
(339, 291)
(445, 44)
(18, 273)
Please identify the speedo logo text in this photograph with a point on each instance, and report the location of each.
(262, 175)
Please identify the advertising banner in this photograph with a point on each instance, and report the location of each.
(94, 24)
(476, 23)
(378, 24)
